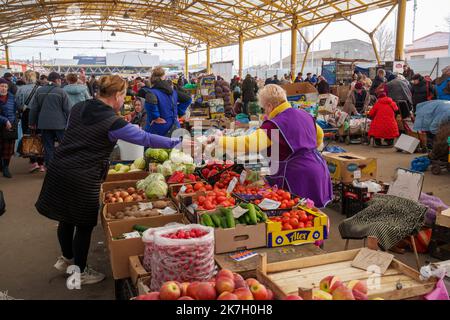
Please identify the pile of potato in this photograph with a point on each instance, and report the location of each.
(133, 212)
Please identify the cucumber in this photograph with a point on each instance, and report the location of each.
(244, 205)
(264, 216)
(241, 219)
(230, 218)
(216, 220)
(247, 218)
(207, 220)
(140, 228)
(223, 221)
(202, 221)
(252, 214)
(236, 221)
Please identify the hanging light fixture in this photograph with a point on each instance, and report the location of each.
(113, 34)
(102, 47)
(55, 42)
(145, 51)
(280, 24)
(155, 45)
(57, 49)
(126, 16)
(199, 46)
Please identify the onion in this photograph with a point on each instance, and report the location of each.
(119, 199)
(128, 199)
(117, 194)
(131, 190)
(124, 194)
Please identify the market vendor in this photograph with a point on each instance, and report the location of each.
(163, 105)
(300, 167)
(70, 193)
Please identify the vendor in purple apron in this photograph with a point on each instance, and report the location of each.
(163, 104)
(298, 165)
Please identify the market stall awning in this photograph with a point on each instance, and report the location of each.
(182, 22)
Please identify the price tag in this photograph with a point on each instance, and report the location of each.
(167, 211)
(145, 206)
(238, 211)
(357, 174)
(131, 235)
(232, 185)
(243, 255)
(268, 204)
(243, 176)
(183, 189)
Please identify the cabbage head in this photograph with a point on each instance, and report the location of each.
(156, 189)
(156, 155)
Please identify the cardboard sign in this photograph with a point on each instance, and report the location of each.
(232, 185)
(268, 204)
(145, 206)
(238, 211)
(372, 261)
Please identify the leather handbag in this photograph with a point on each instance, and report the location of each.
(10, 134)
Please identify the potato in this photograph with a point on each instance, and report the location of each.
(120, 215)
(161, 204)
(154, 212)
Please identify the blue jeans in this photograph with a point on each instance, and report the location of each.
(48, 139)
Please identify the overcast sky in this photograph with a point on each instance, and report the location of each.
(431, 17)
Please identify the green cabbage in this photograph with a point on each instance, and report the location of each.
(156, 189)
(156, 155)
(167, 168)
(176, 156)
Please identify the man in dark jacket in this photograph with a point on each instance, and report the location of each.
(249, 90)
(379, 79)
(299, 78)
(49, 112)
(11, 85)
(322, 85)
(269, 80)
(421, 90)
(408, 73)
(275, 80)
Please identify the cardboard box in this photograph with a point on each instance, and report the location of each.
(137, 270)
(277, 237)
(241, 237)
(299, 88)
(109, 186)
(121, 250)
(345, 167)
(407, 143)
(143, 285)
(138, 175)
(443, 218)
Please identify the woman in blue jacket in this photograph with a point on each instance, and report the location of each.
(163, 104)
(8, 110)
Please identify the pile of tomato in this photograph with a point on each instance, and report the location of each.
(295, 219)
(285, 197)
(214, 198)
(225, 178)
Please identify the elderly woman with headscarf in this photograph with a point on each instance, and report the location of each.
(8, 110)
(291, 138)
(357, 101)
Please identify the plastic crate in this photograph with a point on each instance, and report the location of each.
(353, 200)
(440, 243)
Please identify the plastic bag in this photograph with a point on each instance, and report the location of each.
(182, 260)
(148, 239)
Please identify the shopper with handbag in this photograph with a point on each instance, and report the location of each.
(24, 96)
(49, 111)
(8, 127)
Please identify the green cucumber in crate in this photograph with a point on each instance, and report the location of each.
(215, 218)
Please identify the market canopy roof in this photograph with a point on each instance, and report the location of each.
(182, 22)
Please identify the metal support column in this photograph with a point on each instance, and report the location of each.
(186, 63)
(208, 58)
(400, 34)
(241, 54)
(8, 66)
(294, 28)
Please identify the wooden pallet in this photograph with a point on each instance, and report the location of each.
(301, 276)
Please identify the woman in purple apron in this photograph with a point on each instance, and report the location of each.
(297, 166)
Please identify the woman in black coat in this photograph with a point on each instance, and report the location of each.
(421, 90)
(70, 193)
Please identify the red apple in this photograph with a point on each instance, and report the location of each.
(225, 273)
(170, 291)
(329, 284)
(292, 297)
(224, 284)
(228, 296)
(243, 294)
(192, 289)
(251, 281)
(184, 286)
(239, 281)
(259, 291)
(269, 294)
(204, 291)
(185, 298)
(149, 296)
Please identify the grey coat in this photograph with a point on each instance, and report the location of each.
(50, 108)
(76, 93)
(22, 95)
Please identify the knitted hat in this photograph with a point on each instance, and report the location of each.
(2, 80)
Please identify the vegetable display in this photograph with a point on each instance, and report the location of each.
(213, 198)
(124, 195)
(225, 219)
(134, 211)
(295, 219)
(181, 177)
(157, 155)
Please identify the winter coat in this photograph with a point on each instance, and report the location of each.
(22, 95)
(76, 93)
(323, 87)
(249, 90)
(350, 103)
(375, 84)
(420, 93)
(223, 91)
(8, 110)
(384, 124)
(399, 90)
(49, 108)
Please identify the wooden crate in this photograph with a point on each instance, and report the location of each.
(301, 276)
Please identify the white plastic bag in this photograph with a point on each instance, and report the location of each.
(182, 260)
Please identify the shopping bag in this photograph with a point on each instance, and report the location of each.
(32, 146)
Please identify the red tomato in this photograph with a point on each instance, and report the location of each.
(208, 205)
(287, 226)
(202, 189)
(286, 214)
(257, 201)
(232, 200)
(293, 222)
(221, 199)
(280, 192)
(285, 220)
(287, 196)
(301, 225)
(208, 187)
(291, 203)
(310, 218)
(198, 186)
(309, 224)
(226, 204)
(297, 200)
(283, 206)
(201, 200)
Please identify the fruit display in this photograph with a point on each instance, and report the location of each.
(226, 285)
(134, 211)
(181, 177)
(210, 199)
(124, 195)
(332, 288)
(225, 219)
(285, 197)
(294, 219)
(183, 254)
(137, 166)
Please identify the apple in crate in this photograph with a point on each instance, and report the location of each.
(224, 284)
(259, 291)
(330, 283)
(170, 291)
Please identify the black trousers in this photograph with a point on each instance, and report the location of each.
(75, 242)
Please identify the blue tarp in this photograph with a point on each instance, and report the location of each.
(430, 115)
(329, 73)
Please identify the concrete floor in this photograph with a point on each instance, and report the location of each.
(29, 247)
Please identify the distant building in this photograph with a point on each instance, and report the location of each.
(434, 45)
